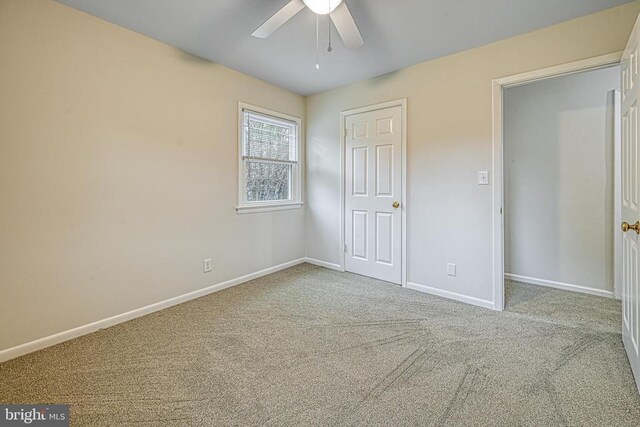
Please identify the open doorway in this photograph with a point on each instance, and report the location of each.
(560, 142)
(626, 255)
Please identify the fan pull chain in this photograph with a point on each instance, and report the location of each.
(329, 49)
(317, 42)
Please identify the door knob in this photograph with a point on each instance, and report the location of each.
(635, 227)
(396, 205)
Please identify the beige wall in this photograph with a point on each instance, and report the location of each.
(118, 164)
(118, 172)
(449, 140)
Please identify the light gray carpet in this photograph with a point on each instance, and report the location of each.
(310, 346)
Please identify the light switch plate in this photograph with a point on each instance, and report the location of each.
(483, 177)
(207, 265)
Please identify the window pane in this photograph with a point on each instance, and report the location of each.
(268, 181)
(269, 139)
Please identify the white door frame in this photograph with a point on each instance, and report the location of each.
(403, 203)
(617, 194)
(498, 194)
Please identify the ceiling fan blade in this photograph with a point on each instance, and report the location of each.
(346, 26)
(279, 19)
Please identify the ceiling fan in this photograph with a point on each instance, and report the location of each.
(336, 9)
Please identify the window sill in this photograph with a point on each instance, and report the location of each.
(248, 209)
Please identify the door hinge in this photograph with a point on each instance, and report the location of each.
(345, 248)
(345, 132)
(500, 210)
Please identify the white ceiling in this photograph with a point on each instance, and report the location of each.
(396, 33)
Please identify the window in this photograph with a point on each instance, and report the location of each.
(269, 151)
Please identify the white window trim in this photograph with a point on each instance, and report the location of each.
(295, 202)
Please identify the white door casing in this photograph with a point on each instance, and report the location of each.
(630, 203)
(373, 184)
(498, 198)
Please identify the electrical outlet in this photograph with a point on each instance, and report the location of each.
(483, 177)
(451, 269)
(208, 265)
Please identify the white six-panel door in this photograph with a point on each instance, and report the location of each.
(630, 203)
(373, 190)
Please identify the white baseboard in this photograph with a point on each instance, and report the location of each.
(451, 295)
(22, 349)
(560, 285)
(417, 287)
(324, 264)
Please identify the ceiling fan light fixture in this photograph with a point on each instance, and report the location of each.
(322, 7)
